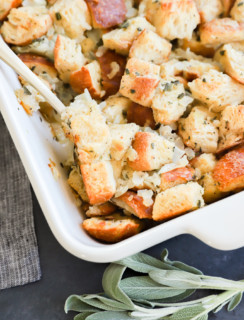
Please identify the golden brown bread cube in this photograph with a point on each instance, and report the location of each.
(99, 181)
(237, 11)
(210, 186)
(140, 81)
(112, 67)
(177, 200)
(134, 204)
(220, 31)
(140, 115)
(205, 162)
(229, 171)
(6, 6)
(153, 151)
(26, 24)
(231, 128)
(196, 46)
(177, 176)
(106, 13)
(113, 228)
(104, 209)
(38, 64)
(88, 77)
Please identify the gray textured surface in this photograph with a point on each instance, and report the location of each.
(19, 260)
(64, 274)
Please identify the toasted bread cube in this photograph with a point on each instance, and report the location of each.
(26, 24)
(140, 115)
(88, 77)
(106, 13)
(199, 131)
(170, 16)
(134, 204)
(231, 128)
(232, 59)
(210, 186)
(153, 151)
(76, 182)
(150, 47)
(121, 39)
(71, 16)
(209, 10)
(189, 70)
(116, 109)
(6, 6)
(196, 46)
(170, 102)
(99, 181)
(177, 200)
(113, 228)
(140, 81)
(112, 69)
(227, 5)
(122, 136)
(100, 210)
(38, 64)
(177, 176)
(217, 90)
(205, 162)
(220, 31)
(229, 171)
(67, 57)
(237, 11)
(85, 125)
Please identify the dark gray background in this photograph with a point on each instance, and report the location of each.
(63, 274)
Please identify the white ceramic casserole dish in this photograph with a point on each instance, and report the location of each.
(220, 225)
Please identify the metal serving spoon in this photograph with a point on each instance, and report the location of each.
(10, 58)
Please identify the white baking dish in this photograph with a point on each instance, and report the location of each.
(220, 225)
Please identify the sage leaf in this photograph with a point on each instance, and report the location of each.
(110, 283)
(176, 279)
(82, 316)
(204, 317)
(116, 305)
(235, 301)
(109, 315)
(145, 288)
(189, 313)
(221, 306)
(144, 263)
(178, 264)
(75, 303)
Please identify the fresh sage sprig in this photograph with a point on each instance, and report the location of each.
(156, 293)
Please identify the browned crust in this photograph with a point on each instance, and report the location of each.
(33, 60)
(136, 205)
(229, 171)
(81, 80)
(143, 88)
(176, 176)
(106, 13)
(140, 115)
(106, 230)
(14, 4)
(140, 144)
(97, 182)
(111, 86)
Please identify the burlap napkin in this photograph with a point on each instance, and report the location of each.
(19, 259)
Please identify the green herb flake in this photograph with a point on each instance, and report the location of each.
(132, 90)
(125, 25)
(180, 96)
(127, 71)
(204, 80)
(58, 16)
(27, 91)
(152, 145)
(240, 4)
(222, 52)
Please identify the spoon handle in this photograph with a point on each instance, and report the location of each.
(10, 58)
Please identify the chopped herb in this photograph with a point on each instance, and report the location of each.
(152, 145)
(222, 52)
(139, 29)
(27, 91)
(61, 164)
(189, 138)
(199, 203)
(180, 96)
(240, 4)
(214, 118)
(204, 80)
(137, 73)
(168, 86)
(127, 71)
(124, 113)
(58, 16)
(125, 25)
(66, 85)
(132, 91)
(40, 119)
(33, 68)
(100, 42)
